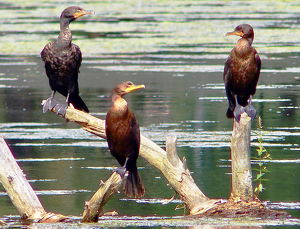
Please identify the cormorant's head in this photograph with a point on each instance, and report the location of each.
(74, 12)
(244, 31)
(126, 87)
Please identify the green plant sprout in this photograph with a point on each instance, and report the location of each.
(262, 154)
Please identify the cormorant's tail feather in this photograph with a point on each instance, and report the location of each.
(229, 113)
(133, 185)
(78, 103)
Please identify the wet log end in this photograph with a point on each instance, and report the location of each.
(51, 217)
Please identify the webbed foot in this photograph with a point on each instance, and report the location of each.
(238, 111)
(49, 104)
(61, 108)
(121, 171)
(250, 110)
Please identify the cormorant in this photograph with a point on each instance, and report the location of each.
(62, 61)
(123, 137)
(241, 73)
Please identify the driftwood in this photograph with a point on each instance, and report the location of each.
(240, 203)
(174, 170)
(20, 191)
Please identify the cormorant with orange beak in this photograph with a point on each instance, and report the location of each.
(123, 137)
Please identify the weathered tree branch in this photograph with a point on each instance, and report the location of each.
(169, 164)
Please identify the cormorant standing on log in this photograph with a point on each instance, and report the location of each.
(241, 73)
(123, 137)
(62, 61)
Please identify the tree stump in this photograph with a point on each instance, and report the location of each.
(241, 178)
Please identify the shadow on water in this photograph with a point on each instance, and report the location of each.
(178, 50)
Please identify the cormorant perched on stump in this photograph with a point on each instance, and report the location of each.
(123, 137)
(62, 61)
(241, 73)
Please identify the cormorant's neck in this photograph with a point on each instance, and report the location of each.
(119, 106)
(65, 36)
(249, 39)
(243, 47)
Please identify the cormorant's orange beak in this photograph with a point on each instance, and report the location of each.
(81, 13)
(131, 88)
(236, 32)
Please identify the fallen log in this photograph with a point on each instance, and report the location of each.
(17, 187)
(20, 191)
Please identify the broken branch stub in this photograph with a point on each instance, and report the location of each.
(181, 180)
(94, 207)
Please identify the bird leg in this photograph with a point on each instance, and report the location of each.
(50, 103)
(122, 170)
(238, 110)
(61, 108)
(250, 110)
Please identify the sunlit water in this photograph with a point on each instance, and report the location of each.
(177, 49)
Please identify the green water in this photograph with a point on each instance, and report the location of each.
(177, 49)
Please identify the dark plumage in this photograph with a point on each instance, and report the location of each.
(62, 61)
(241, 73)
(123, 137)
